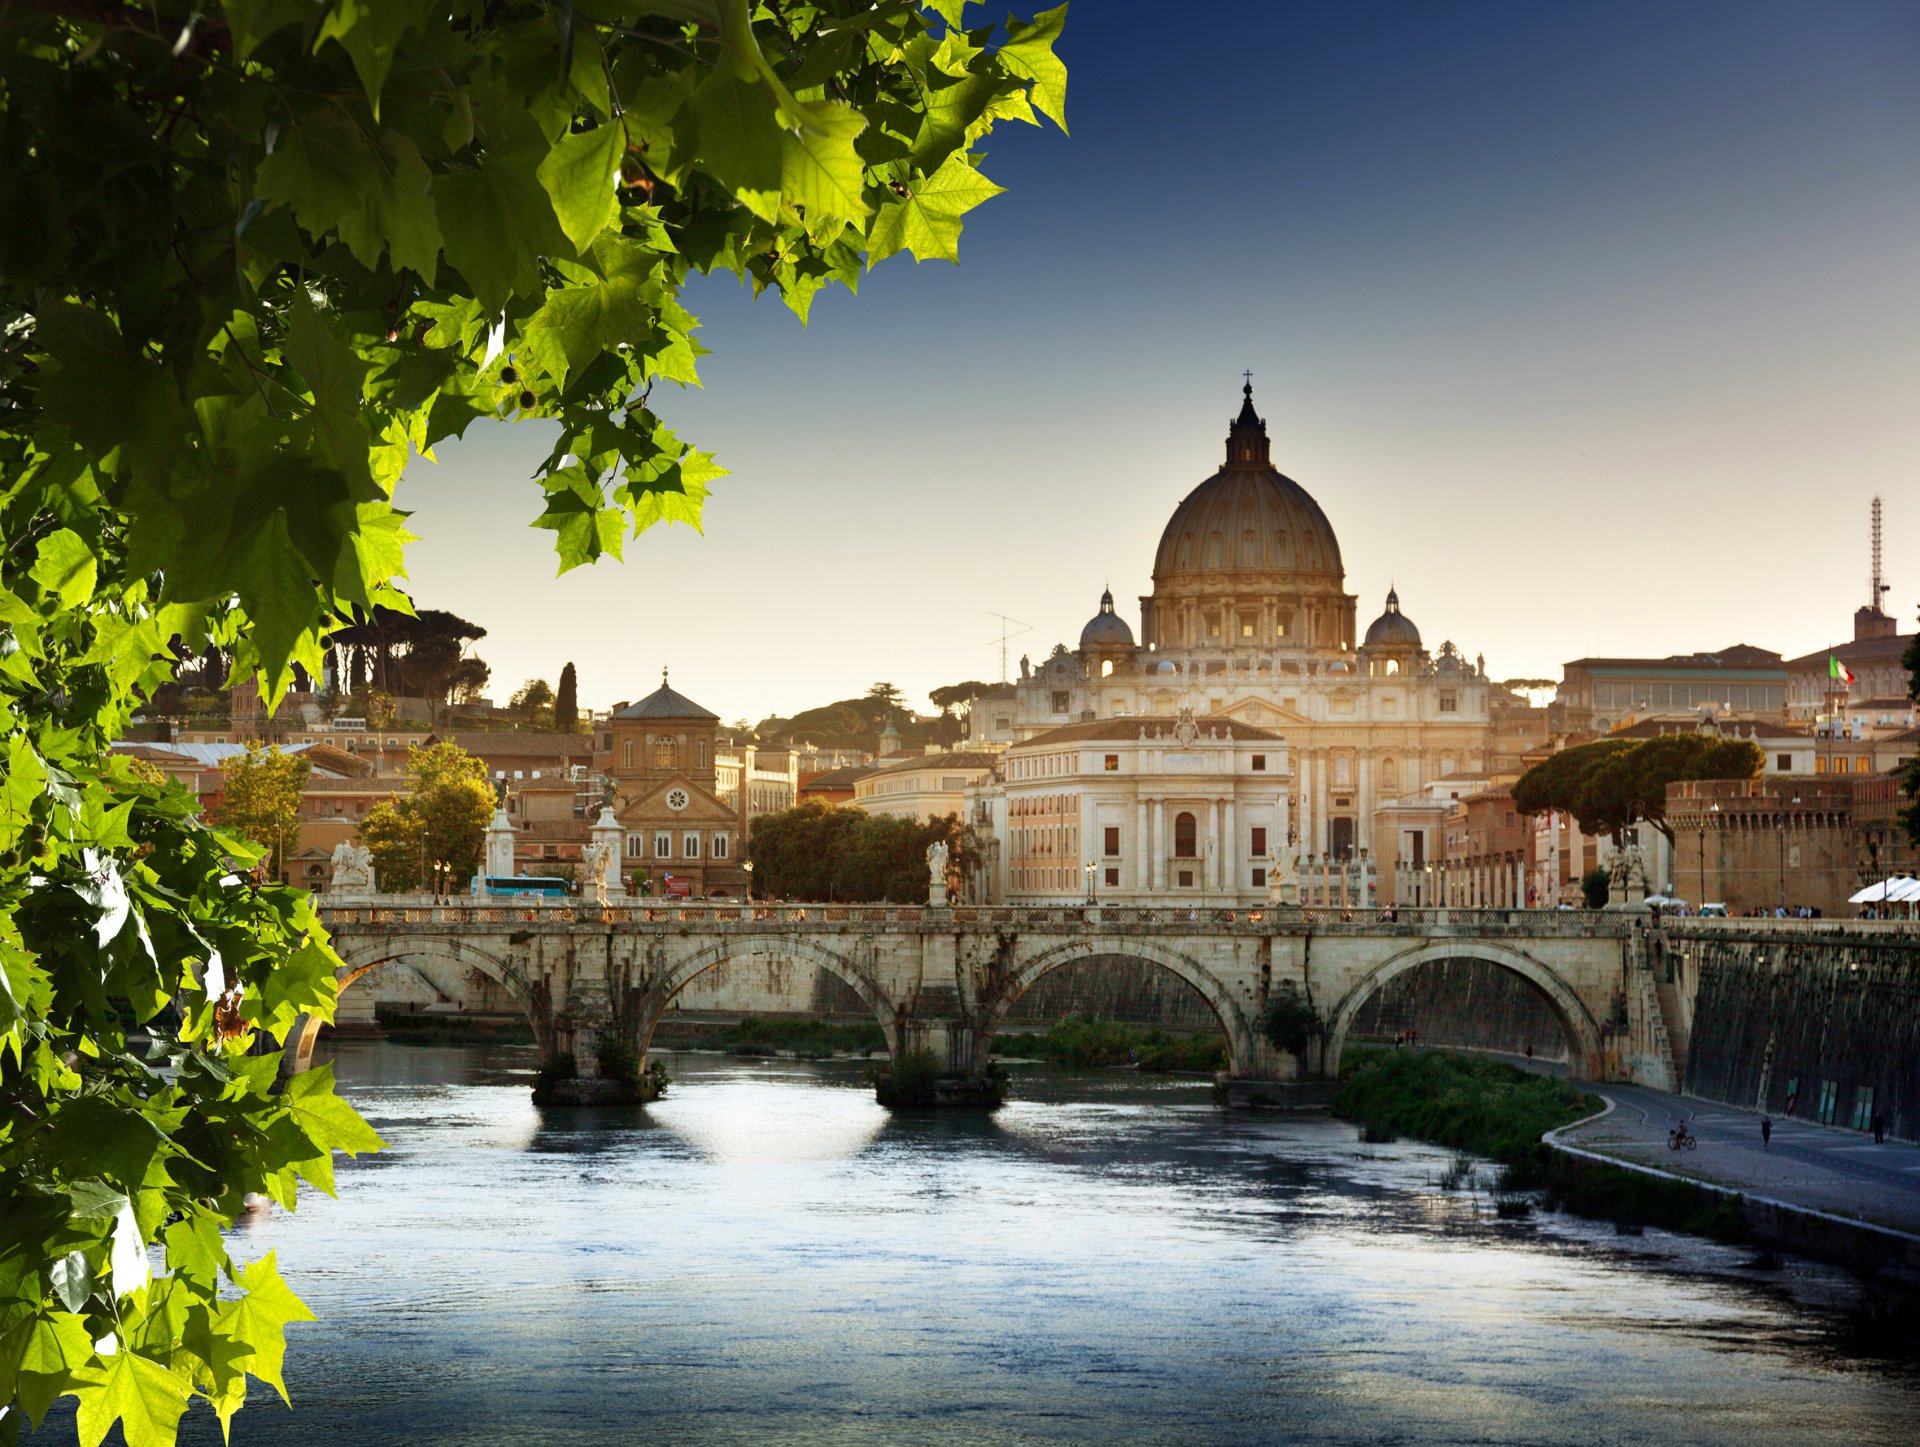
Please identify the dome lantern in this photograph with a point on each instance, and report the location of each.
(1247, 433)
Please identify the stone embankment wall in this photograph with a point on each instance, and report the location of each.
(1835, 1022)
(1470, 1003)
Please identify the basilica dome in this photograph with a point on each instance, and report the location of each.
(1249, 558)
(1392, 629)
(1106, 629)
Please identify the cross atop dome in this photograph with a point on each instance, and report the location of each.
(1247, 436)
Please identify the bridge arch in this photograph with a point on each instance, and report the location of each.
(683, 971)
(363, 958)
(1243, 1049)
(1577, 1024)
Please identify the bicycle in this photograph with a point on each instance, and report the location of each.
(1682, 1139)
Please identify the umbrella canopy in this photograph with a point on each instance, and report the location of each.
(1663, 900)
(1896, 889)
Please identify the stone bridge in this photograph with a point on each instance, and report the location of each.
(943, 979)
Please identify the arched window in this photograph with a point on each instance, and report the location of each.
(629, 753)
(1393, 666)
(700, 753)
(663, 754)
(1183, 836)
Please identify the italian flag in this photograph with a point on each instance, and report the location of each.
(1838, 670)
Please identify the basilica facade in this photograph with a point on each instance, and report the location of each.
(1249, 624)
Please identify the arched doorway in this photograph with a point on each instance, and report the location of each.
(1243, 1049)
(1576, 1023)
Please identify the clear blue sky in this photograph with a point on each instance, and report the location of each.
(1594, 328)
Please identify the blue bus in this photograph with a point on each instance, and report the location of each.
(508, 886)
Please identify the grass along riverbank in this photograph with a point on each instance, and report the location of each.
(1497, 1110)
(1086, 1043)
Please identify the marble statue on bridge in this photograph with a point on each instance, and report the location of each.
(352, 869)
(937, 872)
(1283, 874)
(594, 859)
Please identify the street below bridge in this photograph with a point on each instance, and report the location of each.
(1808, 1165)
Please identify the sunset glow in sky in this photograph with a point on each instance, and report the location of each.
(1593, 329)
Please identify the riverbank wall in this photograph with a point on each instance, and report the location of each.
(1824, 1027)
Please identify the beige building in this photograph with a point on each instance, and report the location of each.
(679, 835)
(1249, 623)
(1135, 809)
(924, 786)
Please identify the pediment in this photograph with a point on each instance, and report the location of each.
(1262, 713)
(650, 809)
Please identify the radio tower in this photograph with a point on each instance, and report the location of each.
(1876, 588)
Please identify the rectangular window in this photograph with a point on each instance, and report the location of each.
(1829, 1094)
(1113, 879)
(1259, 840)
(1002, 724)
(1259, 763)
(635, 846)
(1186, 879)
(1819, 765)
(1259, 878)
(1061, 698)
(1112, 840)
(719, 846)
(663, 846)
(549, 851)
(1783, 763)
(690, 845)
(1449, 701)
(1859, 766)
(1863, 1108)
(1112, 764)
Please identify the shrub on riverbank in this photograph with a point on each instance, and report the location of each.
(1088, 1044)
(1486, 1106)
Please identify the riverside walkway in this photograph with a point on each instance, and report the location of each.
(1820, 1168)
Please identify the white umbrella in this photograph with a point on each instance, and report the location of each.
(1662, 900)
(1895, 889)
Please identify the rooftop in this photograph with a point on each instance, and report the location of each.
(1127, 730)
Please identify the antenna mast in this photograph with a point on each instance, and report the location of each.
(1876, 588)
(1005, 635)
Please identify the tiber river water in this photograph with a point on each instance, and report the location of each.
(764, 1256)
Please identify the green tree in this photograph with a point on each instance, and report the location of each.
(817, 851)
(532, 701)
(260, 796)
(886, 695)
(468, 680)
(566, 702)
(1612, 784)
(256, 256)
(1595, 886)
(442, 816)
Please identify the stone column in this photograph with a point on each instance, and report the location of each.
(1323, 805)
(500, 843)
(608, 834)
(1142, 858)
(1230, 855)
(1306, 804)
(1363, 803)
(1159, 844)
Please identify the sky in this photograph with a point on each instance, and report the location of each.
(1593, 328)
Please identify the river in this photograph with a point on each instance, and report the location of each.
(765, 1256)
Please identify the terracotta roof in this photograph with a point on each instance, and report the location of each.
(155, 754)
(838, 778)
(1740, 655)
(937, 761)
(1123, 730)
(522, 745)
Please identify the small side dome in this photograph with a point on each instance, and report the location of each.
(1392, 629)
(1106, 629)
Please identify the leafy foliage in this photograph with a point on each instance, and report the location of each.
(1083, 1042)
(442, 816)
(260, 792)
(1595, 885)
(1291, 1023)
(1611, 785)
(532, 701)
(820, 851)
(257, 256)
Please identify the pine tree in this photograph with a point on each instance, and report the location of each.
(566, 703)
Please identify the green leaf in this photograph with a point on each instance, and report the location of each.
(64, 567)
(144, 1397)
(739, 141)
(1029, 53)
(326, 1119)
(580, 323)
(275, 584)
(259, 1319)
(927, 221)
(336, 376)
(56, 1346)
(576, 514)
(252, 21)
(499, 221)
(820, 170)
(370, 191)
(578, 174)
(370, 31)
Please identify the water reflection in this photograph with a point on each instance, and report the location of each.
(766, 1256)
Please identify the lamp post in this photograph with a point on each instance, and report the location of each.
(1089, 869)
(748, 868)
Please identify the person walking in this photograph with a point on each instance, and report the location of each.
(1766, 1132)
(1879, 1129)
